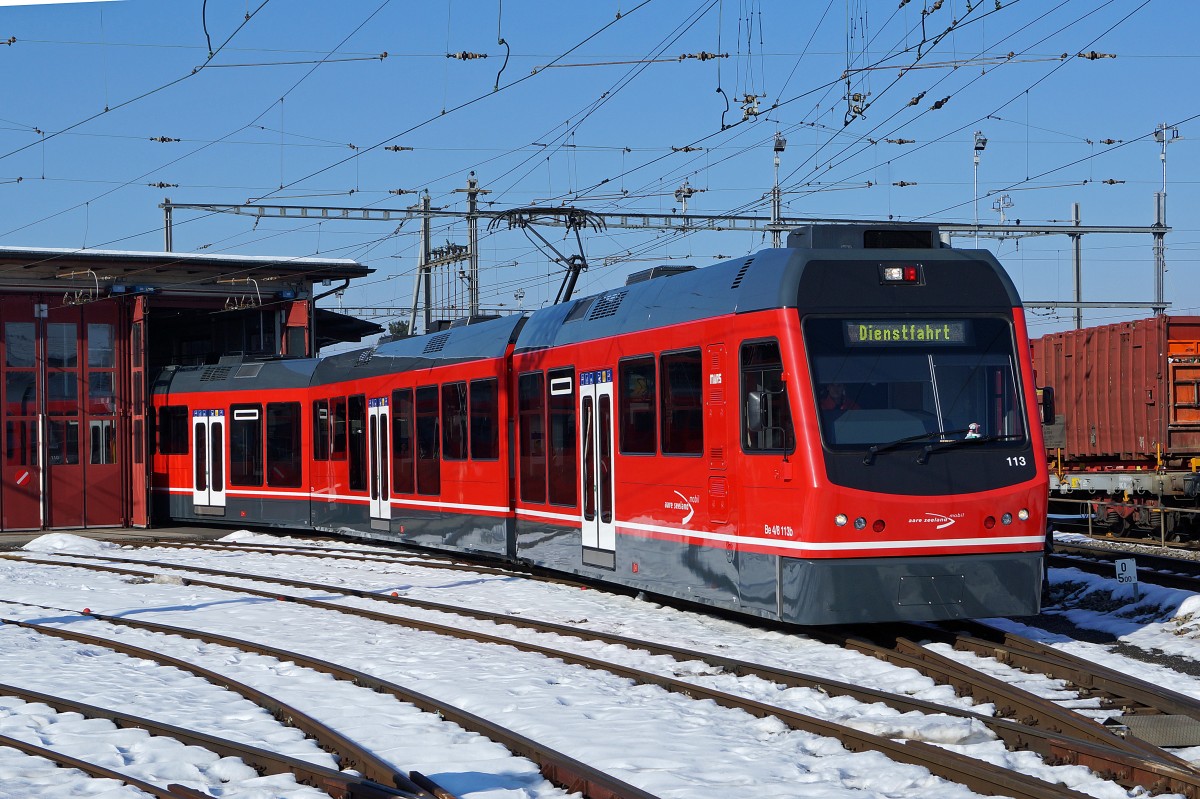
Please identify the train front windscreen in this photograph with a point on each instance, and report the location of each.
(925, 383)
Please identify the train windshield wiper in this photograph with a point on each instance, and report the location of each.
(923, 458)
(875, 449)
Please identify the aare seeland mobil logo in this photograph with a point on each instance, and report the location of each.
(939, 520)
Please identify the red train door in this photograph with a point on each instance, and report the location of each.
(21, 484)
(599, 532)
(378, 463)
(208, 462)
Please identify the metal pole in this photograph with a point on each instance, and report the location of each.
(473, 245)
(168, 242)
(422, 269)
(1077, 247)
(1160, 251)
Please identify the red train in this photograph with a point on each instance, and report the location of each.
(1126, 421)
(680, 435)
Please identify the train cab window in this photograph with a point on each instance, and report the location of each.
(532, 433)
(337, 430)
(682, 409)
(356, 431)
(454, 421)
(636, 406)
(283, 444)
(766, 416)
(929, 379)
(403, 453)
(173, 430)
(485, 420)
(246, 445)
(429, 467)
(320, 437)
(563, 441)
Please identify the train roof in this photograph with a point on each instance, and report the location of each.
(233, 372)
(459, 344)
(772, 279)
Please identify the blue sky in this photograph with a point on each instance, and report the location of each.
(595, 108)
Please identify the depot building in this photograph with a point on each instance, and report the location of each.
(84, 332)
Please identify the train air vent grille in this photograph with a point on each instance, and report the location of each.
(365, 357)
(249, 370)
(717, 395)
(716, 485)
(579, 310)
(213, 373)
(606, 305)
(436, 344)
(737, 281)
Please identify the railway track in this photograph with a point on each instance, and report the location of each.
(1058, 736)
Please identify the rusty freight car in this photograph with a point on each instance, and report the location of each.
(1125, 403)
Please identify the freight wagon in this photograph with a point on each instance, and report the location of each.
(1125, 403)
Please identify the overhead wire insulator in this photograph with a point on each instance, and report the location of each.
(686, 149)
(466, 55)
(1111, 182)
(1111, 141)
(703, 56)
(903, 183)
(900, 141)
(1093, 55)
(163, 139)
(939, 104)
(161, 185)
(396, 148)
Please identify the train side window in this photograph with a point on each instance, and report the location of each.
(429, 471)
(532, 421)
(173, 430)
(283, 444)
(682, 403)
(454, 421)
(356, 425)
(320, 430)
(563, 439)
(246, 445)
(485, 420)
(766, 416)
(403, 461)
(337, 438)
(636, 406)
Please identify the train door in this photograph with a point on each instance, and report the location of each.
(599, 531)
(378, 463)
(208, 462)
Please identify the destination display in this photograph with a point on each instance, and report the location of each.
(885, 332)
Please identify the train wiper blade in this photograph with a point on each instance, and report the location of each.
(923, 458)
(875, 449)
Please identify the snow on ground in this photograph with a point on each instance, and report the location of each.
(667, 744)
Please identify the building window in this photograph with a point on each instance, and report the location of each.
(682, 403)
(246, 445)
(637, 406)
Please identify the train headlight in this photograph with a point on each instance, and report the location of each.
(1023, 514)
(860, 523)
(989, 522)
(1006, 518)
(841, 519)
(878, 526)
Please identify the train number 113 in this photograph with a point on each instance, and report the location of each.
(1017, 460)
